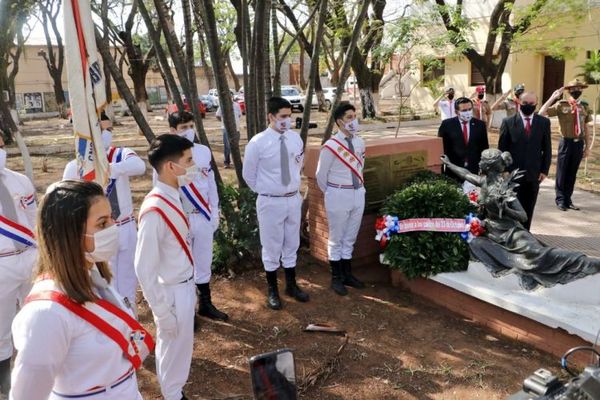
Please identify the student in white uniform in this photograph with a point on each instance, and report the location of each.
(272, 164)
(17, 254)
(164, 263)
(61, 351)
(124, 163)
(200, 201)
(340, 178)
(445, 104)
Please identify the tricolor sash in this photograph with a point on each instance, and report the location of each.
(346, 156)
(173, 217)
(192, 193)
(16, 232)
(119, 157)
(135, 341)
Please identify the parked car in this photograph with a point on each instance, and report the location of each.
(171, 108)
(209, 103)
(329, 93)
(294, 96)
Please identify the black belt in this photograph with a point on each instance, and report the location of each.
(187, 280)
(290, 194)
(572, 139)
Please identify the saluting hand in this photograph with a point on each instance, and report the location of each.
(557, 93)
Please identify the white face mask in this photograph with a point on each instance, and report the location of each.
(189, 134)
(2, 159)
(352, 126)
(106, 138)
(106, 244)
(283, 125)
(191, 174)
(465, 115)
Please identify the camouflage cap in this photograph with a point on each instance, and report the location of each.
(519, 87)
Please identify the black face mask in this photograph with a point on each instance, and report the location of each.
(480, 96)
(528, 109)
(575, 94)
(450, 96)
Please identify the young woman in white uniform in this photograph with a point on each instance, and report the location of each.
(61, 355)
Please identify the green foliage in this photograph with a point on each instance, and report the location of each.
(421, 254)
(237, 243)
(591, 68)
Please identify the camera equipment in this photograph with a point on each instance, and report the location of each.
(543, 385)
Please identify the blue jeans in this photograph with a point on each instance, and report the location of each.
(226, 148)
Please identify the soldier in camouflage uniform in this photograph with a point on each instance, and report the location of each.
(573, 116)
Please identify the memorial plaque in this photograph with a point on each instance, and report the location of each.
(384, 174)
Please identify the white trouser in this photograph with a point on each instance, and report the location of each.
(344, 215)
(201, 234)
(124, 279)
(279, 228)
(174, 354)
(15, 283)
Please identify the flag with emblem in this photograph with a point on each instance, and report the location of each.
(86, 90)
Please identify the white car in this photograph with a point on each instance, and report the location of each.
(214, 95)
(329, 93)
(294, 96)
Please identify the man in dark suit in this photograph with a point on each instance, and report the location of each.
(464, 137)
(527, 137)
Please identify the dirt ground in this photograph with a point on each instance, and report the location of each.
(399, 346)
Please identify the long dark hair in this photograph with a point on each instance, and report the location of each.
(61, 225)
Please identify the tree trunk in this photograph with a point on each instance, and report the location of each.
(276, 52)
(208, 71)
(234, 77)
(124, 91)
(314, 72)
(206, 10)
(258, 65)
(346, 67)
(155, 36)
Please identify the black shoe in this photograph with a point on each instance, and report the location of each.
(349, 279)
(337, 278)
(291, 287)
(206, 308)
(5, 377)
(183, 396)
(574, 207)
(273, 300)
(561, 207)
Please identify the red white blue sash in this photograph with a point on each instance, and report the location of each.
(119, 157)
(346, 156)
(173, 217)
(16, 232)
(192, 193)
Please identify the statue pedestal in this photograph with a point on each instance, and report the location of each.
(552, 319)
(389, 162)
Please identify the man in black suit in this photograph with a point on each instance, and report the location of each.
(527, 137)
(464, 137)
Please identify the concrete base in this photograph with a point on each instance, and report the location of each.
(572, 307)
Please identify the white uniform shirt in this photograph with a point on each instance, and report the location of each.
(446, 108)
(332, 169)
(58, 350)
(159, 258)
(237, 112)
(130, 165)
(262, 163)
(23, 193)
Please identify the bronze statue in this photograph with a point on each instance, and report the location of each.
(506, 246)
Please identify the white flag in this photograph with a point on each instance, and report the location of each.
(86, 90)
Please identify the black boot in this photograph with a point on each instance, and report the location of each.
(337, 278)
(273, 300)
(349, 279)
(5, 376)
(207, 309)
(291, 287)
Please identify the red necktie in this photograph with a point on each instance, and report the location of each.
(576, 120)
(465, 133)
(528, 126)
